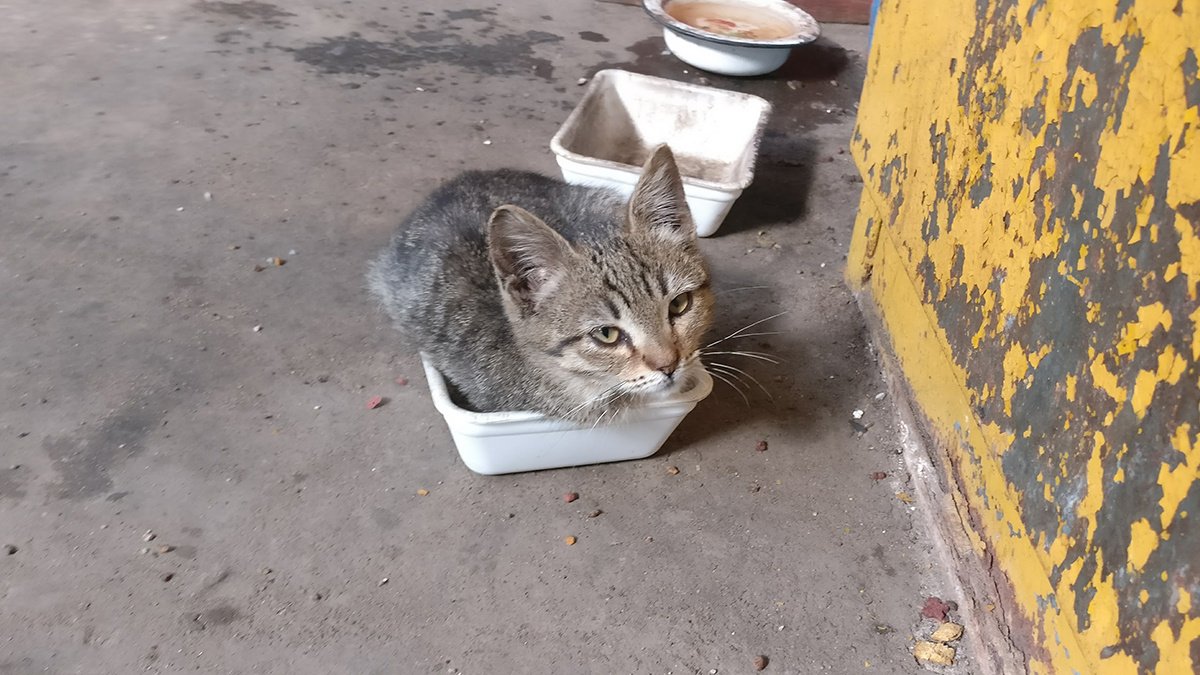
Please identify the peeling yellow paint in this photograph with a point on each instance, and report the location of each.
(1072, 229)
(1105, 380)
(1142, 540)
(1175, 650)
(1176, 481)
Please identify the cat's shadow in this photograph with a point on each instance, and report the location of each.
(783, 178)
(797, 395)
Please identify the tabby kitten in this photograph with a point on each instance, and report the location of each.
(576, 312)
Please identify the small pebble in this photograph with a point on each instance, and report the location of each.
(570, 497)
(932, 652)
(880, 396)
(422, 492)
(761, 446)
(947, 632)
(402, 381)
(149, 536)
(258, 329)
(857, 414)
(277, 261)
(166, 549)
(878, 475)
(673, 470)
(581, 81)
(208, 196)
(168, 576)
(10, 549)
(570, 541)
(374, 402)
(178, 208)
(488, 142)
(760, 662)
(595, 514)
(383, 581)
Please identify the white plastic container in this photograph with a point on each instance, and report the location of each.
(729, 54)
(509, 442)
(714, 134)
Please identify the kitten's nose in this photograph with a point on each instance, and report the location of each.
(664, 363)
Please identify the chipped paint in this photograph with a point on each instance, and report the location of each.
(1030, 233)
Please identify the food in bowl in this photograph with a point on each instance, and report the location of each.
(732, 19)
(732, 37)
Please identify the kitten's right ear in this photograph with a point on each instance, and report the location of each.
(529, 257)
(658, 204)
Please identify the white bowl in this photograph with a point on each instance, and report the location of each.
(714, 134)
(729, 54)
(510, 442)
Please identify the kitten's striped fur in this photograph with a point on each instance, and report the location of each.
(512, 283)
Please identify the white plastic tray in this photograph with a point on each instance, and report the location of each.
(510, 442)
(714, 134)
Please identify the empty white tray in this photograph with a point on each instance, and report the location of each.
(714, 134)
(509, 442)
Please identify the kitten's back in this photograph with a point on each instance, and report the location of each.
(435, 279)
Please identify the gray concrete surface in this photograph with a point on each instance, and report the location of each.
(136, 395)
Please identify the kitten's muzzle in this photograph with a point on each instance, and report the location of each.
(667, 365)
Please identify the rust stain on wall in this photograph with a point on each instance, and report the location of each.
(1029, 232)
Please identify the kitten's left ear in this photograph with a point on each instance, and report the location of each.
(658, 204)
(529, 257)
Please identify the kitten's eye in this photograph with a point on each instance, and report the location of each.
(680, 304)
(607, 335)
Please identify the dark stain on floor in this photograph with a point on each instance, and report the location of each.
(85, 460)
(818, 85)
(592, 36)
(509, 54)
(12, 481)
(221, 615)
(474, 14)
(259, 12)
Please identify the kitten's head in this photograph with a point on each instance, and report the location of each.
(616, 318)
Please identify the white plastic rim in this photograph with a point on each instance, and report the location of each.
(725, 59)
(512, 442)
(707, 205)
(714, 134)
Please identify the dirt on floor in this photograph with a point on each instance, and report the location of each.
(191, 478)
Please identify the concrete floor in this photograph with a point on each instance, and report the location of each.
(154, 154)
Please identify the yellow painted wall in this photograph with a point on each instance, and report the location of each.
(1030, 234)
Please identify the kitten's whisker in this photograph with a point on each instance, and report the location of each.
(740, 330)
(731, 385)
(752, 379)
(745, 335)
(743, 288)
(598, 397)
(728, 371)
(750, 355)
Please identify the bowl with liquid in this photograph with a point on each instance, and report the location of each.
(733, 37)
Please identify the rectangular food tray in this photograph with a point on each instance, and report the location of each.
(511, 442)
(714, 134)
